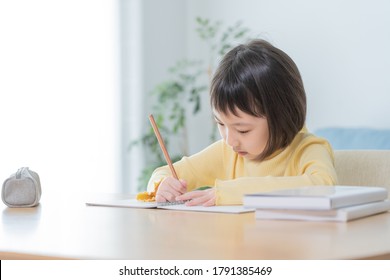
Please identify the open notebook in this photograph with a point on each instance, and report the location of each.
(133, 203)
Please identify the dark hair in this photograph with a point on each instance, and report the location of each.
(263, 81)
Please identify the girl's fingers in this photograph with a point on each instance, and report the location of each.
(170, 188)
(205, 198)
(189, 195)
(194, 202)
(210, 202)
(179, 186)
(163, 196)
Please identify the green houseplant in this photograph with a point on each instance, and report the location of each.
(182, 92)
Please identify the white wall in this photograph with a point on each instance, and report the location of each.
(164, 43)
(132, 97)
(341, 48)
(152, 40)
(59, 93)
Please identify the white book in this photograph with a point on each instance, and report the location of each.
(315, 197)
(343, 214)
(133, 203)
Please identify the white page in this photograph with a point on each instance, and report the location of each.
(133, 203)
(127, 203)
(234, 209)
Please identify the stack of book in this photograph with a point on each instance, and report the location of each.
(319, 203)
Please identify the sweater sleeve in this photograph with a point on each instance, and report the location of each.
(310, 164)
(198, 170)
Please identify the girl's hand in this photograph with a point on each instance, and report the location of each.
(199, 197)
(170, 188)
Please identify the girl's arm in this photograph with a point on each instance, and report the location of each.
(198, 170)
(309, 165)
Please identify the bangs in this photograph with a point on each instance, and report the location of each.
(230, 93)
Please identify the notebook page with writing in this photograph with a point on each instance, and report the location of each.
(126, 203)
(233, 209)
(133, 203)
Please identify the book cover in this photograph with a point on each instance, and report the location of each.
(315, 197)
(343, 214)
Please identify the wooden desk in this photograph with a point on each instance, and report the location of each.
(67, 228)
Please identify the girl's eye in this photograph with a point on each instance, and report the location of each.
(218, 123)
(243, 132)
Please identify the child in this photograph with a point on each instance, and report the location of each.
(259, 103)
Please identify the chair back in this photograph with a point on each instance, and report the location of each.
(363, 167)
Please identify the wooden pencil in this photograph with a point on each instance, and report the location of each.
(162, 146)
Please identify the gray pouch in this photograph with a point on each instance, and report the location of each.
(22, 189)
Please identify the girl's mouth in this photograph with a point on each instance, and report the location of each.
(241, 153)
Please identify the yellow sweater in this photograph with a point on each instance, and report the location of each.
(308, 160)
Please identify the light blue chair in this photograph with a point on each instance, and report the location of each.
(356, 138)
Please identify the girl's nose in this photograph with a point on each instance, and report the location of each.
(231, 140)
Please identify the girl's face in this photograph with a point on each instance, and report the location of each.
(246, 134)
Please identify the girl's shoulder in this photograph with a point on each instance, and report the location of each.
(304, 139)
